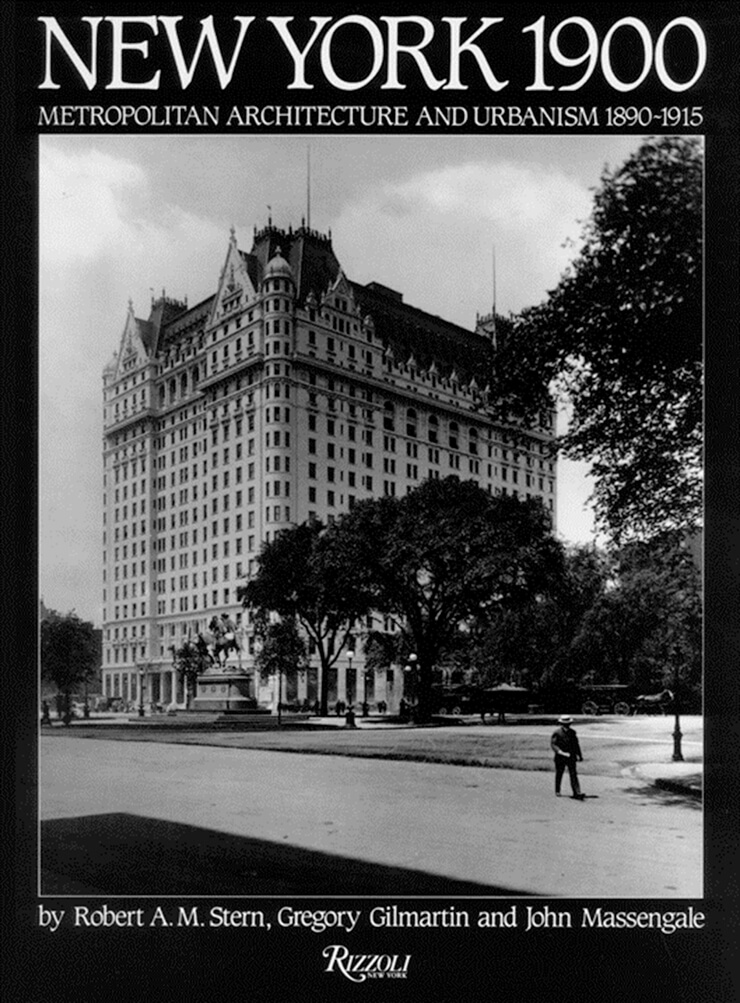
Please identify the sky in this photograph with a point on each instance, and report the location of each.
(124, 217)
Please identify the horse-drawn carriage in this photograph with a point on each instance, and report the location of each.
(622, 699)
(654, 703)
(616, 698)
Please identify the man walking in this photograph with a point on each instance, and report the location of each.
(567, 751)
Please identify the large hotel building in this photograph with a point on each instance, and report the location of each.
(289, 394)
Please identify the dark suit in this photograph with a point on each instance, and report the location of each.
(567, 751)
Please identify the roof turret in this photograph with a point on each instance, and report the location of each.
(278, 267)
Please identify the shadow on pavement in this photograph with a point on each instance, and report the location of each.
(656, 795)
(122, 854)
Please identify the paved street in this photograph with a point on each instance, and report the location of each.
(284, 823)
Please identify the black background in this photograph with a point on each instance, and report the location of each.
(446, 964)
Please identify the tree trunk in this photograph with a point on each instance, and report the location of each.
(324, 688)
(67, 708)
(424, 666)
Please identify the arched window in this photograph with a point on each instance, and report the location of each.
(389, 423)
(454, 435)
(411, 422)
(433, 428)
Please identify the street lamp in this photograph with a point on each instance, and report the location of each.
(350, 716)
(366, 675)
(677, 754)
(280, 693)
(411, 670)
(141, 690)
(350, 656)
(412, 665)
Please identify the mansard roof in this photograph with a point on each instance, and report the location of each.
(407, 330)
(404, 330)
(431, 340)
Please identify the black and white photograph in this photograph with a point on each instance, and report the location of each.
(334, 519)
(377, 499)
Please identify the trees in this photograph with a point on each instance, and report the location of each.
(69, 653)
(529, 643)
(647, 621)
(445, 553)
(307, 575)
(189, 662)
(282, 652)
(622, 333)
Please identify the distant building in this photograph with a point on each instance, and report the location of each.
(290, 394)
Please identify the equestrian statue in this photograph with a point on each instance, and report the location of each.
(219, 640)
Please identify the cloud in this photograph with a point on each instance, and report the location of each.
(82, 201)
(437, 229)
(97, 209)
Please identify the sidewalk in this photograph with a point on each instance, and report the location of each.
(362, 723)
(679, 778)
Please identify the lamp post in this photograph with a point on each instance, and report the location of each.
(677, 754)
(141, 690)
(365, 687)
(350, 715)
(413, 660)
(410, 669)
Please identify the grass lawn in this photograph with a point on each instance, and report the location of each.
(507, 746)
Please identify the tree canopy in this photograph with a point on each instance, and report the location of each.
(529, 643)
(647, 622)
(445, 553)
(69, 652)
(622, 335)
(305, 574)
(281, 652)
(189, 662)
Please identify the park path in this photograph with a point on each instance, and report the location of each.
(502, 828)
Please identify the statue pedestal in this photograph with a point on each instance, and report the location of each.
(224, 690)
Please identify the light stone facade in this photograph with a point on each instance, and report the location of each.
(288, 395)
